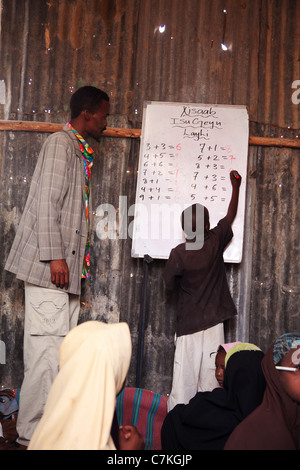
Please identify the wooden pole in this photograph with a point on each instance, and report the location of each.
(140, 352)
(35, 126)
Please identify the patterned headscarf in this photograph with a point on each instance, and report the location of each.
(284, 344)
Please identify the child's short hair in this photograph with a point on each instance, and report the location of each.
(194, 220)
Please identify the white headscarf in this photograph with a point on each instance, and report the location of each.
(94, 360)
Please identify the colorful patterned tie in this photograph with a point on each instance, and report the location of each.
(88, 156)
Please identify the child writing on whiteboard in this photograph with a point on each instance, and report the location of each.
(204, 300)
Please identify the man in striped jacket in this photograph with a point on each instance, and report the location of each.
(50, 252)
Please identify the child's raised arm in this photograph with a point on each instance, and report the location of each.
(236, 179)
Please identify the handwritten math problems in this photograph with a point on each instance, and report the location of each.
(187, 152)
(163, 164)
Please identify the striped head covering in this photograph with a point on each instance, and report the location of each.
(284, 344)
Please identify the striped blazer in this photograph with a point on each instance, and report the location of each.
(53, 225)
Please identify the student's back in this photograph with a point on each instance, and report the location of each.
(203, 295)
(204, 300)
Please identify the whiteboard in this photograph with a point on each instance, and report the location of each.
(186, 154)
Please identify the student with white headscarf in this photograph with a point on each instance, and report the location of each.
(94, 360)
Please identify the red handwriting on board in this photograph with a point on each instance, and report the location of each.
(162, 173)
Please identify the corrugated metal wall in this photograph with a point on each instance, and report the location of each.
(49, 48)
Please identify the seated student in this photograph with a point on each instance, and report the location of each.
(8, 411)
(94, 359)
(209, 418)
(275, 424)
(220, 361)
(8, 403)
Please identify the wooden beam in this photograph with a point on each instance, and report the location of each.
(34, 126)
(274, 142)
